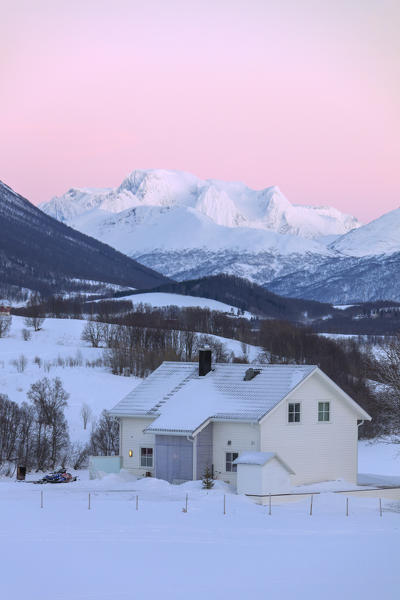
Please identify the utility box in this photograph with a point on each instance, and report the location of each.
(262, 473)
(21, 473)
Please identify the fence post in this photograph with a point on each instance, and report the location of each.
(224, 505)
(347, 507)
(89, 501)
(311, 503)
(269, 511)
(137, 502)
(380, 506)
(41, 498)
(186, 507)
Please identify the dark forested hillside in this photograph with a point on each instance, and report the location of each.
(249, 296)
(42, 254)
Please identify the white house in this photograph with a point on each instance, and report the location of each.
(262, 428)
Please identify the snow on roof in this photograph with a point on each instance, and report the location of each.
(181, 401)
(254, 458)
(259, 458)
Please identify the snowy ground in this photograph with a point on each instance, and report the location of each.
(61, 339)
(64, 551)
(162, 299)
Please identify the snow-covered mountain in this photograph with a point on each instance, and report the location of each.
(148, 197)
(186, 227)
(381, 236)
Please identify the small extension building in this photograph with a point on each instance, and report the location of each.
(262, 428)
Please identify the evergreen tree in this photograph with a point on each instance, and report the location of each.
(208, 481)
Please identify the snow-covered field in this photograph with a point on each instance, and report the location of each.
(161, 299)
(59, 340)
(64, 551)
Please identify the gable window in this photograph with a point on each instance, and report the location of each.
(229, 458)
(294, 412)
(146, 457)
(323, 411)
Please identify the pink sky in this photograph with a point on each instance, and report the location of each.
(304, 94)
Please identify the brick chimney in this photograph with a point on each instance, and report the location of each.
(204, 361)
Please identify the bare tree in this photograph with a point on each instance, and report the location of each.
(387, 371)
(49, 400)
(35, 322)
(93, 333)
(189, 340)
(86, 413)
(5, 324)
(105, 436)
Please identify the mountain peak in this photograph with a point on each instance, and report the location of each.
(227, 204)
(381, 236)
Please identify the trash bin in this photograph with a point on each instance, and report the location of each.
(21, 472)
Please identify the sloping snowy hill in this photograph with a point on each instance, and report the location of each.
(381, 236)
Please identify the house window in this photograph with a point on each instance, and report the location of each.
(323, 411)
(146, 457)
(294, 412)
(229, 458)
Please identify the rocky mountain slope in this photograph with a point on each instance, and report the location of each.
(42, 254)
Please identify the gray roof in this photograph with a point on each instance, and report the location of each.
(181, 401)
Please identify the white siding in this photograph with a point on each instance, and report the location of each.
(243, 437)
(271, 478)
(315, 451)
(133, 438)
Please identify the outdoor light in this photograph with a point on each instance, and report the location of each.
(130, 453)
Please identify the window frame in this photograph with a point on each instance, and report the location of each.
(329, 420)
(233, 468)
(294, 422)
(146, 456)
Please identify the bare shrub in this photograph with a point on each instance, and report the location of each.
(5, 324)
(78, 455)
(86, 413)
(35, 322)
(26, 335)
(20, 363)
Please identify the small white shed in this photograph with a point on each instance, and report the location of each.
(262, 473)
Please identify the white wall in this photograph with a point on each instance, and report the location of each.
(315, 451)
(133, 438)
(245, 437)
(271, 478)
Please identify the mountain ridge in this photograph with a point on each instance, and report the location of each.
(229, 204)
(40, 253)
(186, 228)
